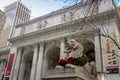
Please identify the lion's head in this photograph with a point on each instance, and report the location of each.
(73, 47)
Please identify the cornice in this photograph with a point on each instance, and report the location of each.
(5, 49)
(77, 6)
(58, 31)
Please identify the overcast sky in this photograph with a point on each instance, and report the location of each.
(39, 7)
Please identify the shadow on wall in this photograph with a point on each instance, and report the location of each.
(53, 55)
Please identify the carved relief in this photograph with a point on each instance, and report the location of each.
(70, 16)
(22, 30)
(67, 17)
(63, 18)
(44, 23)
(41, 24)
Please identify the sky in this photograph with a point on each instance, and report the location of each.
(40, 7)
(118, 2)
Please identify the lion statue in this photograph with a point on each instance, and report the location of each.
(77, 59)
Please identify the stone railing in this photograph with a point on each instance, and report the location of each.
(60, 74)
(66, 71)
(77, 73)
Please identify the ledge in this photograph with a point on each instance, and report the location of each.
(61, 29)
(77, 73)
(5, 49)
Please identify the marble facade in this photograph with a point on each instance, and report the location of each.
(39, 43)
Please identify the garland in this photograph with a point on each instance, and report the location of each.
(80, 61)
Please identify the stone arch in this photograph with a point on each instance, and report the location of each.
(89, 49)
(88, 45)
(27, 60)
(88, 42)
(53, 55)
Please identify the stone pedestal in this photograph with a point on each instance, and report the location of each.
(68, 74)
(17, 64)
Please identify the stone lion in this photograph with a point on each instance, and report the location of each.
(77, 59)
(74, 48)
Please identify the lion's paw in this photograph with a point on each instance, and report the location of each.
(70, 66)
(59, 67)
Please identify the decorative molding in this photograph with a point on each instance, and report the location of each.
(41, 24)
(63, 18)
(61, 11)
(67, 17)
(22, 30)
(5, 49)
(58, 31)
(70, 16)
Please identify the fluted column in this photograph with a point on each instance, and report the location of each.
(34, 63)
(17, 64)
(99, 58)
(22, 69)
(22, 65)
(62, 48)
(40, 62)
(98, 55)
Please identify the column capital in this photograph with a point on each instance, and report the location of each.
(64, 37)
(62, 48)
(41, 43)
(20, 48)
(35, 45)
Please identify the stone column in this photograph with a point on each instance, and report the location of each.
(45, 64)
(40, 62)
(22, 65)
(17, 64)
(99, 58)
(62, 48)
(101, 76)
(98, 54)
(22, 69)
(34, 63)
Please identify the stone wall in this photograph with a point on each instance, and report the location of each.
(4, 37)
(59, 17)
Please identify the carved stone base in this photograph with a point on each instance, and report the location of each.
(63, 79)
(68, 74)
